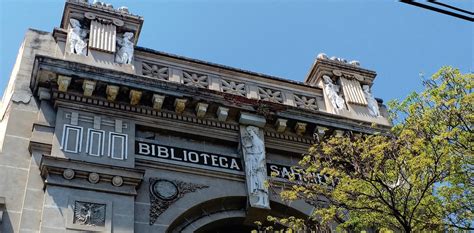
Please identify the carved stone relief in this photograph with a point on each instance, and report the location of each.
(232, 87)
(195, 80)
(306, 102)
(163, 193)
(270, 95)
(371, 102)
(77, 38)
(125, 53)
(89, 214)
(155, 71)
(332, 93)
(253, 148)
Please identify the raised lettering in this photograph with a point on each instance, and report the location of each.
(223, 162)
(173, 157)
(205, 156)
(214, 161)
(143, 148)
(163, 152)
(274, 168)
(193, 157)
(234, 165)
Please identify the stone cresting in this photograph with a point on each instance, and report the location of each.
(163, 193)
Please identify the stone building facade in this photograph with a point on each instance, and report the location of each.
(100, 135)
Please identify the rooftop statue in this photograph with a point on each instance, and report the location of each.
(332, 91)
(77, 38)
(371, 101)
(125, 53)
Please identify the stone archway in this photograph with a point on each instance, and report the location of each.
(226, 214)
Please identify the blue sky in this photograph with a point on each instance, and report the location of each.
(280, 38)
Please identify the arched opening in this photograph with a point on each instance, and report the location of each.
(227, 214)
(228, 225)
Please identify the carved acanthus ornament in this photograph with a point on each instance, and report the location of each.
(163, 193)
(195, 80)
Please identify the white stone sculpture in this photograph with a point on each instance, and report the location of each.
(332, 93)
(371, 101)
(322, 56)
(77, 38)
(255, 166)
(125, 53)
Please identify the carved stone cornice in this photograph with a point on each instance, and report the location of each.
(176, 90)
(327, 67)
(91, 176)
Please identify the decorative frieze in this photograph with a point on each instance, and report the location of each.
(271, 95)
(195, 79)
(232, 87)
(155, 71)
(305, 102)
(163, 193)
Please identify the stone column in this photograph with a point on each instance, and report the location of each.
(253, 150)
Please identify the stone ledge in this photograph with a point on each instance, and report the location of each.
(91, 176)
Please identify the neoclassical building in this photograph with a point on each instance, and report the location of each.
(100, 135)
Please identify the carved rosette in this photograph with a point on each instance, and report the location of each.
(195, 80)
(232, 87)
(163, 193)
(271, 95)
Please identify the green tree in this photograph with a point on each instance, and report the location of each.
(418, 176)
